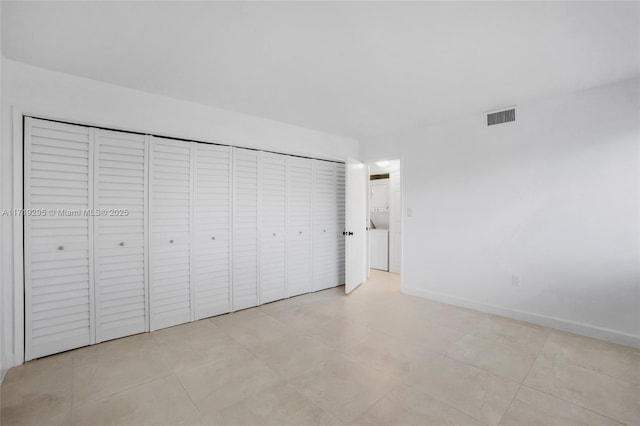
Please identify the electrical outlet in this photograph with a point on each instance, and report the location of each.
(409, 212)
(515, 280)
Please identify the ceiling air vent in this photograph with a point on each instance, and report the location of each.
(500, 117)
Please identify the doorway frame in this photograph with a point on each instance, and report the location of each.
(402, 208)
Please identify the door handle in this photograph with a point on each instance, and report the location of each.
(350, 233)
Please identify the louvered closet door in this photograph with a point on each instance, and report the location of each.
(58, 251)
(340, 220)
(325, 265)
(299, 199)
(212, 216)
(245, 228)
(170, 222)
(272, 226)
(120, 235)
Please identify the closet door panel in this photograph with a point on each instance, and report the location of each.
(212, 216)
(245, 228)
(340, 213)
(170, 222)
(299, 225)
(120, 234)
(58, 251)
(272, 226)
(325, 267)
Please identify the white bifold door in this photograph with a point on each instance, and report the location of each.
(121, 301)
(58, 196)
(328, 224)
(190, 273)
(273, 189)
(245, 228)
(299, 225)
(126, 233)
(340, 251)
(212, 230)
(170, 233)
(325, 265)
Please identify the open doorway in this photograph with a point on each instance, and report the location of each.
(384, 208)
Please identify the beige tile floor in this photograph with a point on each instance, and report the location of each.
(375, 357)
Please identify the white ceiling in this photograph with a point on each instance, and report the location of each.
(360, 69)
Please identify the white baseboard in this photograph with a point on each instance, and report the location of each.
(547, 321)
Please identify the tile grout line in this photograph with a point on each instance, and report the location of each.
(513, 398)
(253, 357)
(127, 388)
(483, 421)
(188, 395)
(473, 416)
(525, 376)
(560, 398)
(555, 396)
(567, 362)
(574, 404)
(402, 381)
(378, 400)
(339, 353)
(163, 354)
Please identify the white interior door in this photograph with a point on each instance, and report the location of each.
(170, 231)
(120, 235)
(340, 220)
(356, 225)
(212, 230)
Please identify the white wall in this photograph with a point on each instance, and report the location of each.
(552, 198)
(56, 95)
